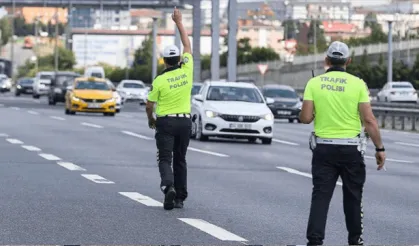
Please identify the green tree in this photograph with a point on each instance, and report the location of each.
(321, 43)
(6, 31)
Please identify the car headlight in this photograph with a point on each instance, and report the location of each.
(19, 87)
(75, 98)
(210, 114)
(268, 117)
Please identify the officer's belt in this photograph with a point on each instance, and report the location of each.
(338, 141)
(176, 115)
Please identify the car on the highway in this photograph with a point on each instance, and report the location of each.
(232, 110)
(133, 90)
(196, 87)
(5, 83)
(90, 95)
(287, 103)
(58, 87)
(119, 100)
(24, 86)
(398, 92)
(42, 83)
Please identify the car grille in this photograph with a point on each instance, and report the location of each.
(94, 100)
(239, 118)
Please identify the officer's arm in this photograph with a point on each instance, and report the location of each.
(152, 98)
(184, 38)
(307, 110)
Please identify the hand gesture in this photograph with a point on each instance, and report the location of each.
(380, 158)
(152, 123)
(176, 16)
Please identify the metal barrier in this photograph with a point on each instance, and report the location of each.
(400, 118)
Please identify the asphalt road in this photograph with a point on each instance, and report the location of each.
(89, 179)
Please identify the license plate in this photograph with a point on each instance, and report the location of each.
(29, 90)
(404, 93)
(240, 126)
(94, 105)
(283, 112)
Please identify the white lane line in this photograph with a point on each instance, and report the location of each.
(407, 144)
(148, 201)
(15, 108)
(3, 135)
(14, 141)
(136, 135)
(213, 230)
(293, 171)
(49, 157)
(91, 125)
(57, 118)
(97, 179)
(70, 166)
(31, 148)
(285, 142)
(207, 152)
(33, 112)
(389, 159)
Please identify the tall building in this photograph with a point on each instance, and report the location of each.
(97, 18)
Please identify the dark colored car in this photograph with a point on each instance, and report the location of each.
(287, 103)
(59, 84)
(24, 86)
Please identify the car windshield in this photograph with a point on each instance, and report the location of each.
(133, 85)
(64, 80)
(401, 86)
(96, 75)
(231, 93)
(195, 89)
(278, 93)
(45, 76)
(26, 82)
(92, 85)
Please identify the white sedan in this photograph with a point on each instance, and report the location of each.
(133, 90)
(398, 92)
(233, 110)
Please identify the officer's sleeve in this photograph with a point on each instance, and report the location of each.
(187, 61)
(364, 94)
(153, 95)
(308, 91)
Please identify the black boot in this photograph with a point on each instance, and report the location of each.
(169, 197)
(178, 203)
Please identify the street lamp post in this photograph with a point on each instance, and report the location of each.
(154, 62)
(390, 52)
(56, 42)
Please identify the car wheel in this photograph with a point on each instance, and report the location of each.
(266, 140)
(67, 111)
(17, 94)
(199, 135)
(290, 120)
(118, 111)
(35, 96)
(252, 140)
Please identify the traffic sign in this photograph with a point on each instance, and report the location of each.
(263, 68)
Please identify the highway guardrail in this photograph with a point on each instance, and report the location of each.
(397, 118)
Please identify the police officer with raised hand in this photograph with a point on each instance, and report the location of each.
(171, 91)
(337, 102)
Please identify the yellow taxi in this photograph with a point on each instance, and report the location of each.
(90, 95)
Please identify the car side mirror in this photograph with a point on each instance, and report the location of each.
(199, 98)
(269, 100)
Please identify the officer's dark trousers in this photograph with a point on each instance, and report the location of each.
(328, 163)
(172, 140)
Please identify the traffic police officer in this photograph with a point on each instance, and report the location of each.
(337, 102)
(171, 91)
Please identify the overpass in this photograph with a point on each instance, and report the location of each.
(298, 72)
(95, 3)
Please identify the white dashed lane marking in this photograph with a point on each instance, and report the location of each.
(91, 125)
(293, 171)
(207, 152)
(50, 157)
(15, 108)
(136, 135)
(3, 135)
(213, 230)
(97, 179)
(14, 141)
(145, 200)
(284, 142)
(57, 118)
(33, 112)
(31, 148)
(70, 166)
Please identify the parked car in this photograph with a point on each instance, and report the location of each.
(24, 86)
